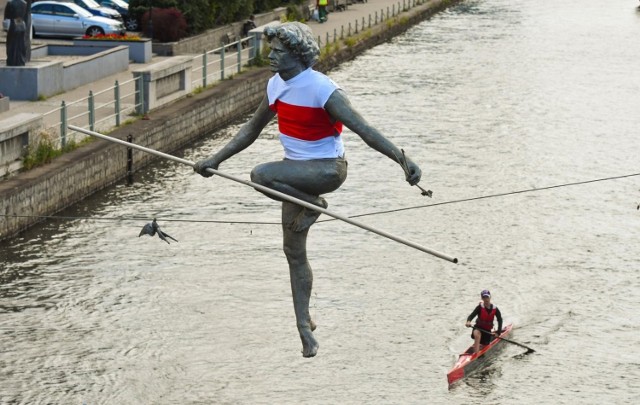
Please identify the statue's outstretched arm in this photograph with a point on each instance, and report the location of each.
(247, 135)
(340, 109)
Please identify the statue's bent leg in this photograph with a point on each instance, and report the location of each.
(304, 180)
(301, 279)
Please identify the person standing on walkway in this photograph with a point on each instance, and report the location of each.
(248, 25)
(486, 313)
(322, 9)
(311, 111)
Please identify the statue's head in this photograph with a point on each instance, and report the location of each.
(298, 39)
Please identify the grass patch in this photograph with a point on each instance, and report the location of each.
(46, 149)
(43, 151)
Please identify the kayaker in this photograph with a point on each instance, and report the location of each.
(486, 313)
(311, 111)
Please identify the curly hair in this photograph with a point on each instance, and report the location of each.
(298, 39)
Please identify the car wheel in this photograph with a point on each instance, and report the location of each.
(93, 31)
(131, 24)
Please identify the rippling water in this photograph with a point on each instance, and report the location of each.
(491, 97)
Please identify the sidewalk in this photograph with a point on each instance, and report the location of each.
(337, 22)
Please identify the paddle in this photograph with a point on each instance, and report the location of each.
(529, 350)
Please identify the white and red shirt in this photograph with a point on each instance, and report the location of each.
(307, 131)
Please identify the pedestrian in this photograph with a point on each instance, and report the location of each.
(322, 10)
(248, 25)
(486, 312)
(311, 111)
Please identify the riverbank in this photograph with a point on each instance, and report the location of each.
(28, 197)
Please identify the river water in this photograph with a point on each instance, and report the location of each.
(491, 98)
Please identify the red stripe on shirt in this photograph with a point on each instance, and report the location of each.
(306, 123)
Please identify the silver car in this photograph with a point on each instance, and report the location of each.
(51, 18)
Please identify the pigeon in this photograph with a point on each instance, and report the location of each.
(152, 228)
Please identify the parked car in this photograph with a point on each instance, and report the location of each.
(96, 9)
(122, 7)
(53, 18)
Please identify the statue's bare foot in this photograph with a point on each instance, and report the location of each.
(306, 218)
(309, 343)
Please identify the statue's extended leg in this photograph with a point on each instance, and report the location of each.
(301, 276)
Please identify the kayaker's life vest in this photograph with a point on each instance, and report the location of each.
(485, 318)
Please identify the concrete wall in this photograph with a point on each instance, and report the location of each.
(15, 133)
(164, 82)
(32, 81)
(139, 51)
(41, 78)
(99, 63)
(76, 175)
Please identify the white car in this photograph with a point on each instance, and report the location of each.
(52, 18)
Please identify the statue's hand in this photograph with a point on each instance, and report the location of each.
(412, 172)
(202, 165)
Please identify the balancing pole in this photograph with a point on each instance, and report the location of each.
(272, 192)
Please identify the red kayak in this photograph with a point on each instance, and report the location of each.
(468, 362)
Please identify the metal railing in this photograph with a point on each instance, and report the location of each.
(101, 111)
(222, 62)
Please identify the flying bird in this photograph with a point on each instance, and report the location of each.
(152, 228)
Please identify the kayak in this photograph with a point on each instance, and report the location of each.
(468, 362)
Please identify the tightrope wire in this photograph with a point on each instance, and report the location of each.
(484, 197)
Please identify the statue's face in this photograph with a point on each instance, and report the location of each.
(282, 61)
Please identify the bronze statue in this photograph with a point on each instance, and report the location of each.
(16, 11)
(311, 111)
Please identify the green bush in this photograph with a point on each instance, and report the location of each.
(199, 15)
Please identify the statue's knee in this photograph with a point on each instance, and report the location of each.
(260, 176)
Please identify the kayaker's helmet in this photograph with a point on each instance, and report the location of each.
(485, 293)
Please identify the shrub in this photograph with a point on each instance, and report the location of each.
(199, 15)
(137, 8)
(169, 24)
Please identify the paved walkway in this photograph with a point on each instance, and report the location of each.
(337, 21)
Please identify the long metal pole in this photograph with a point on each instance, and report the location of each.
(275, 193)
